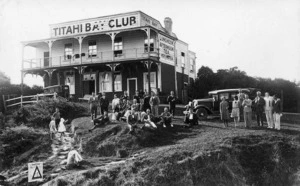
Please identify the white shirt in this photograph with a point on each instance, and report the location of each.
(269, 103)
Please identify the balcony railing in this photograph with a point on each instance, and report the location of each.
(86, 58)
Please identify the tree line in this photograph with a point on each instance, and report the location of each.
(208, 80)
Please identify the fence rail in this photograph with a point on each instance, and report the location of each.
(20, 101)
(89, 58)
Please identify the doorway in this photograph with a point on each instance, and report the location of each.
(46, 59)
(89, 87)
(131, 86)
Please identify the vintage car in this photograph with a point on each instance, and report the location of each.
(210, 106)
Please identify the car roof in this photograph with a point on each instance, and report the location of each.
(231, 90)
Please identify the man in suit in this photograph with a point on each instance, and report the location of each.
(277, 112)
(104, 103)
(259, 104)
(172, 103)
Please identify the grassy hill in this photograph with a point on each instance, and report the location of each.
(207, 154)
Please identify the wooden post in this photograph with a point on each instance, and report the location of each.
(21, 101)
(281, 105)
(4, 102)
(149, 73)
(113, 77)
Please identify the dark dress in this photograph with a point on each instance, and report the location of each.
(104, 103)
(146, 103)
(172, 104)
(224, 110)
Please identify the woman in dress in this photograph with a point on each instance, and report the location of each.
(224, 111)
(235, 110)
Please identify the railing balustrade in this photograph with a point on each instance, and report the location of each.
(85, 58)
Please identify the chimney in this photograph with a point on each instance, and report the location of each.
(168, 25)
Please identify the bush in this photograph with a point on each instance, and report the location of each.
(21, 144)
(39, 114)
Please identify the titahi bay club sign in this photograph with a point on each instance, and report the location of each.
(95, 25)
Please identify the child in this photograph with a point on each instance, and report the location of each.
(52, 127)
(62, 128)
(166, 117)
(132, 121)
(148, 119)
(235, 113)
(190, 116)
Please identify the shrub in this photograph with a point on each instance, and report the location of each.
(39, 114)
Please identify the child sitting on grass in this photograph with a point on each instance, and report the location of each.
(52, 127)
(62, 128)
(166, 118)
(132, 121)
(148, 119)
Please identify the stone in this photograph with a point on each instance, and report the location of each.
(63, 162)
(122, 153)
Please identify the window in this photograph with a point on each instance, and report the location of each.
(182, 59)
(226, 95)
(92, 50)
(68, 51)
(105, 80)
(152, 80)
(151, 45)
(118, 47)
(191, 65)
(118, 82)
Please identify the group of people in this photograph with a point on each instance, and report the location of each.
(270, 106)
(57, 125)
(142, 109)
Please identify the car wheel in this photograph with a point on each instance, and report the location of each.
(202, 114)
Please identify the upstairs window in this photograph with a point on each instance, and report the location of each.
(192, 67)
(118, 47)
(151, 42)
(92, 50)
(182, 59)
(68, 51)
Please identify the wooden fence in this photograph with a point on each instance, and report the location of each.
(20, 101)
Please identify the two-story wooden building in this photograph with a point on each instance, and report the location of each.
(130, 51)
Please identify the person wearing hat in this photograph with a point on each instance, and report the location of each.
(224, 111)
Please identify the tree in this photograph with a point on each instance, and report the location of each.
(4, 79)
(207, 80)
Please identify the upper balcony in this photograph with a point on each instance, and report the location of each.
(130, 45)
(86, 58)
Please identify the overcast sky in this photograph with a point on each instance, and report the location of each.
(261, 37)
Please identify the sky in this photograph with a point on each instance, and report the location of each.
(260, 37)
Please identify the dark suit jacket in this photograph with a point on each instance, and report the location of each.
(104, 103)
(277, 106)
(259, 104)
